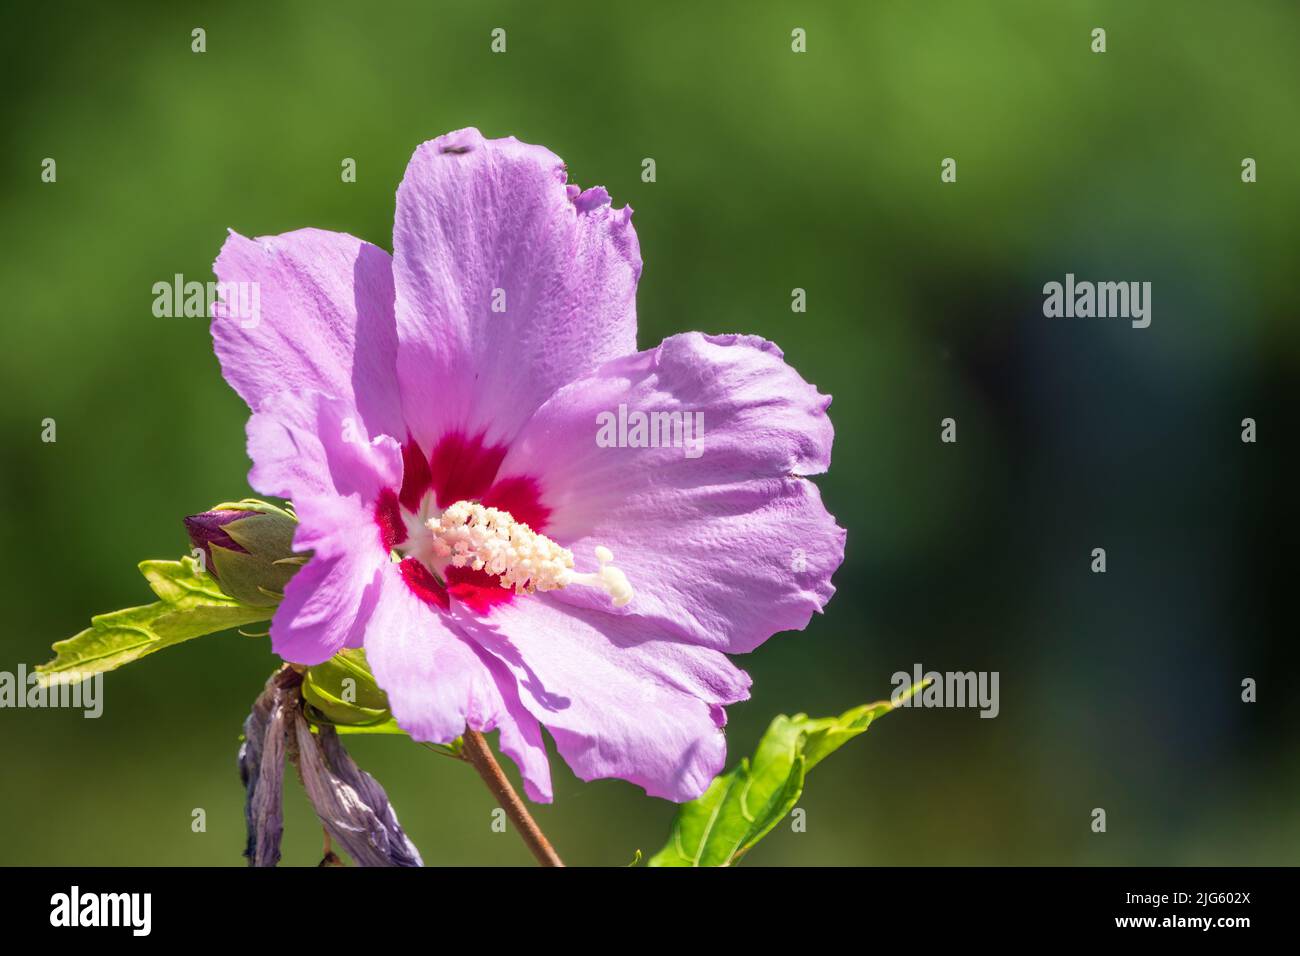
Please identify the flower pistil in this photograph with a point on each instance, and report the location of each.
(467, 534)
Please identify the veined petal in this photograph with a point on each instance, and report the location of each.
(509, 283)
(703, 509)
(314, 450)
(312, 310)
(438, 682)
(307, 445)
(434, 680)
(619, 698)
(744, 562)
(520, 733)
(327, 605)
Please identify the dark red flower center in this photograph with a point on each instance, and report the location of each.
(459, 468)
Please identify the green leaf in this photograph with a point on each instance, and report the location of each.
(182, 584)
(191, 605)
(743, 805)
(342, 692)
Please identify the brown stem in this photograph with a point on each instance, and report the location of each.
(475, 750)
(328, 856)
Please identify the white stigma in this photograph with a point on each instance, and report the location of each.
(609, 578)
(489, 539)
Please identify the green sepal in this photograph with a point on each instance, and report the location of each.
(257, 506)
(250, 578)
(326, 689)
(265, 533)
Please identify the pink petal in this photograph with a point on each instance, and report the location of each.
(326, 606)
(726, 566)
(521, 734)
(438, 683)
(312, 449)
(477, 215)
(324, 322)
(724, 548)
(328, 602)
(306, 445)
(434, 680)
(619, 698)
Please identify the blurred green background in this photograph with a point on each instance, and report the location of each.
(775, 171)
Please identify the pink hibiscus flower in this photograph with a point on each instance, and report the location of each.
(462, 428)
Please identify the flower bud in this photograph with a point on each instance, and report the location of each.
(343, 692)
(248, 548)
(205, 530)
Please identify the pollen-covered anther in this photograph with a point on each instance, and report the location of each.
(488, 539)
